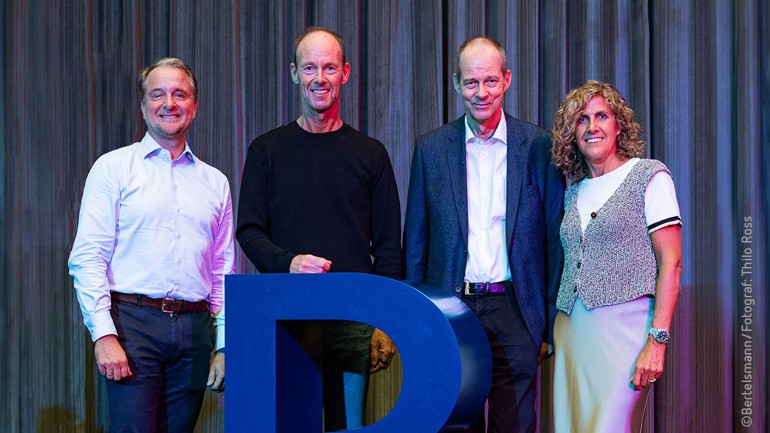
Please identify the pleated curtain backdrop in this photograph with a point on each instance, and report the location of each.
(696, 73)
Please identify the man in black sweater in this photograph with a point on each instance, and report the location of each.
(319, 196)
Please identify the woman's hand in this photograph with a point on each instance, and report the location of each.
(649, 364)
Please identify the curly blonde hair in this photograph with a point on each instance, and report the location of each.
(566, 155)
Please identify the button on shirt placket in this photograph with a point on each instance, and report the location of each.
(176, 257)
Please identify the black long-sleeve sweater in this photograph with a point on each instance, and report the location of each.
(332, 195)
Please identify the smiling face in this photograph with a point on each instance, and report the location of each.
(597, 132)
(168, 104)
(482, 83)
(320, 71)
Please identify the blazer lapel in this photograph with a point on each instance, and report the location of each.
(517, 157)
(457, 173)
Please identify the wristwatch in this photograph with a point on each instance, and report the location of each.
(660, 335)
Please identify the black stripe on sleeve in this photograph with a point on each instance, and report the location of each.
(664, 222)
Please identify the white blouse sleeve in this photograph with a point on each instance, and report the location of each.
(661, 208)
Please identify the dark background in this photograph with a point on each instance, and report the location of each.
(696, 73)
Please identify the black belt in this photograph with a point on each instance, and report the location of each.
(167, 305)
(472, 289)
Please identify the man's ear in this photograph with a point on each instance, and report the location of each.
(345, 73)
(507, 79)
(456, 82)
(293, 69)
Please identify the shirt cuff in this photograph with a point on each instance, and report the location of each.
(219, 320)
(101, 324)
(220, 337)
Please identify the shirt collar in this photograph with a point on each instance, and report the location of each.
(501, 132)
(149, 146)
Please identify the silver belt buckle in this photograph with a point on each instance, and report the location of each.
(476, 285)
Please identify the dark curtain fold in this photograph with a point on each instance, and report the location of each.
(696, 73)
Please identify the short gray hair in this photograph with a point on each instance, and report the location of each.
(166, 61)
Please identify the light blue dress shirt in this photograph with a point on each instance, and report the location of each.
(155, 227)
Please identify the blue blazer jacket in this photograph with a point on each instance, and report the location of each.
(436, 225)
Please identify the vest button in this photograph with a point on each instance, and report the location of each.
(593, 214)
(578, 264)
(574, 290)
(458, 289)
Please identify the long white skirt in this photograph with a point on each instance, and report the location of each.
(595, 355)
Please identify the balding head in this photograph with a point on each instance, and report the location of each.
(476, 42)
(316, 29)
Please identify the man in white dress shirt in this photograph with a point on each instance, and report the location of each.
(154, 241)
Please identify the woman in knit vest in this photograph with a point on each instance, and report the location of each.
(622, 265)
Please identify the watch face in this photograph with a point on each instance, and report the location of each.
(660, 335)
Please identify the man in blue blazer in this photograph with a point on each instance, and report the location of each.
(482, 222)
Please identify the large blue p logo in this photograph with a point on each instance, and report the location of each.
(273, 386)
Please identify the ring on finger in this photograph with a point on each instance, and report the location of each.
(651, 380)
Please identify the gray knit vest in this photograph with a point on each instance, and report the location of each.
(613, 261)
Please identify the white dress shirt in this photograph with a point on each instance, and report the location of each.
(487, 167)
(155, 227)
